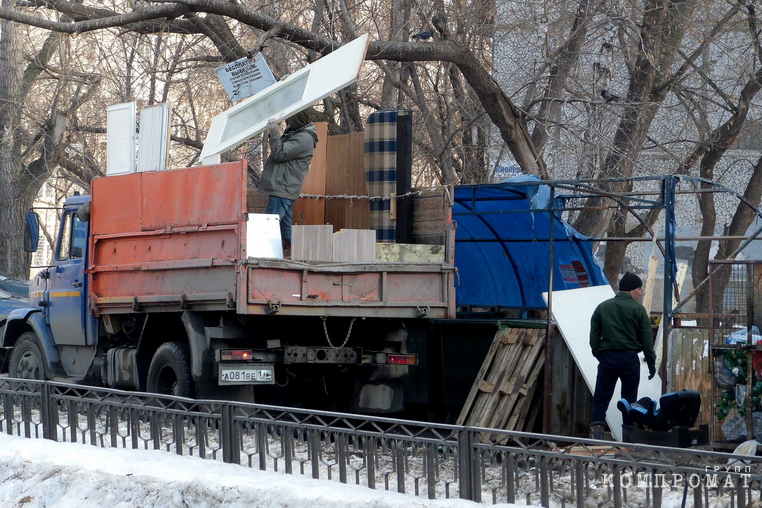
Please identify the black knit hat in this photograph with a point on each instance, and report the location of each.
(629, 282)
(298, 120)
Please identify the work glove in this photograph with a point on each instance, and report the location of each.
(651, 370)
(273, 128)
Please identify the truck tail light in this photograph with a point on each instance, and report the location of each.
(401, 359)
(235, 354)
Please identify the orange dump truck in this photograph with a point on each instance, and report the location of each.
(152, 289)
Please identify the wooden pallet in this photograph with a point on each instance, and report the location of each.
(504, 389)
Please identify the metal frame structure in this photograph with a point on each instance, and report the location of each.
(565, 190)
(421, 459)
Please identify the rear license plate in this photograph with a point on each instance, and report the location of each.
(247, 375)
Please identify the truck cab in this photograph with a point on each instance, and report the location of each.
(60, 291)
(55, 336)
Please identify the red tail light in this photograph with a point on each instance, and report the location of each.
(401, 359)
(235, 354)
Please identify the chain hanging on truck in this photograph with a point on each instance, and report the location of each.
(346, 339)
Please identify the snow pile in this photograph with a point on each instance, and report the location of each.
(40, 473)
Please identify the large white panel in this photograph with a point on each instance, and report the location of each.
(281, 100)
(572, 311)
(120, 139)
(263, 236)
(153, 142)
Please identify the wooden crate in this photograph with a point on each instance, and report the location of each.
(503, 394)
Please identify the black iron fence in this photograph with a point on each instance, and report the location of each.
(421, 459)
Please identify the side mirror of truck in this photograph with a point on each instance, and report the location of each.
(31, 231)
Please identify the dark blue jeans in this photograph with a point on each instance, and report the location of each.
(282, 207)
(615, 365)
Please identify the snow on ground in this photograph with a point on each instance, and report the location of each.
(37, 473)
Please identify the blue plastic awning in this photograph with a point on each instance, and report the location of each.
(502, 247)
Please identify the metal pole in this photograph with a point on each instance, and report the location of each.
(669, 269)
(548, 381)
(315, 454)
(464, 465)
(544, 487)
(48, 431)
(749, 341)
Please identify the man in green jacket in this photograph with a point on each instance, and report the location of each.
(286, 168)
(619, 330)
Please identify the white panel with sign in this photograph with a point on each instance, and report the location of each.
(120, 139)
(153, 144)
(281, 100)
(245, 77)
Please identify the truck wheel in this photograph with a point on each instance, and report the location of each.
(26, 360)
(170, 371)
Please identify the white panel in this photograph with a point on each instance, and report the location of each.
(572, 311)
(120, 139)
(263, 236)
(281, 100)
(153, 144)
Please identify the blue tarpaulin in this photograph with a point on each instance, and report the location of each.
(502, 247)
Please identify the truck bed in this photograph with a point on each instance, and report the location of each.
(176, 240)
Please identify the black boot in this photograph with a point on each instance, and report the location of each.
(596, 431)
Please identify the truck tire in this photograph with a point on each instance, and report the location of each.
(27, 361)
(170, 370)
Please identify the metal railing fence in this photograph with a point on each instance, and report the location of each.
(422, 459)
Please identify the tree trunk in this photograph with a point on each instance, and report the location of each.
(12, 194)
(664, 23)
(615, 251)
(567, 59)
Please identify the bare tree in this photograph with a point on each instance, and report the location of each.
(603, 85)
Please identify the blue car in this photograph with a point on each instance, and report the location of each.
(14, 293)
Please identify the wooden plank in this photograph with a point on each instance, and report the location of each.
(431, 238)
(506, 359)
(310, 210)
(506, 387)
(513, 362)
(518, 418)
(345, 175)
(503, 412)
(437, 192)
(507, 381)
(428, 216)
(485, 386)
(485, 402)
(479, 377)
(561, 396)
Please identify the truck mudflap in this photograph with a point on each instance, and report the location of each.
(18, 320)
(402, 290)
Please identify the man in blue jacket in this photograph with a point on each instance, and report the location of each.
(286, 168)
(619, 330)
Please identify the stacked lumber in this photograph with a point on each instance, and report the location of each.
(504, 392)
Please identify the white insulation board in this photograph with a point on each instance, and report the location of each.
(263, 236)
(572, 311)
